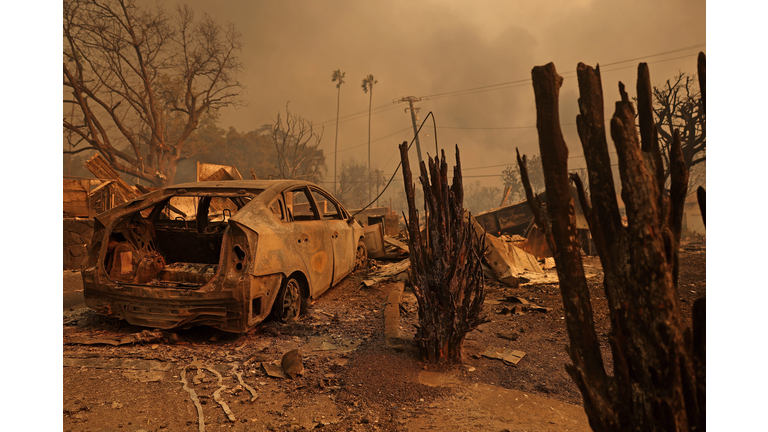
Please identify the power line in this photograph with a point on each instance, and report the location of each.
(520, 82)
(401, 162)
(510, 84)
(363, 114)
(377, 139)
(653, 62)
(358, 113)
(498, 128)
(515, 162)
(395, 152)
(656, 55)
(433, 96)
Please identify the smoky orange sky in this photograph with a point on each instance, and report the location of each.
(434, 48)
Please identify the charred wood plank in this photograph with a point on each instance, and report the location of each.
(101, 169)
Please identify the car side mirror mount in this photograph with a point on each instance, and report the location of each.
(351, 220)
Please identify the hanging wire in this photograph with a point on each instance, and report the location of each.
(401, 162)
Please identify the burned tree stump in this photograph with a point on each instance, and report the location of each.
(656, 384)
(446, 269)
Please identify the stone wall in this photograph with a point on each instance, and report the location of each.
(77, 236)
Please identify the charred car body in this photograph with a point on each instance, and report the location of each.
(223, 254)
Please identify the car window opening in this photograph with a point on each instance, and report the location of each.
(300, 206)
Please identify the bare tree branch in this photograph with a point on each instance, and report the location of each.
(297, 147)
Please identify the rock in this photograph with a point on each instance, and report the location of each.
(292, 363)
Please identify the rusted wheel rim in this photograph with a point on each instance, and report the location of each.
(360, 256)
(291, 301)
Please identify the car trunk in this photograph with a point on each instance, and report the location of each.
(175, 244)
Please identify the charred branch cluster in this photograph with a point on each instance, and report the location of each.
(140, 81)
(659, 366)
(446, 267)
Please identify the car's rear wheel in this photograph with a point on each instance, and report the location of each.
(288, 304)
(361, 256)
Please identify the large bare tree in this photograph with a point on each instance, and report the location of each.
(677, 105)
(139, 81)
(297, 148)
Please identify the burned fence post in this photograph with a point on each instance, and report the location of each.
(654, 384)
(446, 267)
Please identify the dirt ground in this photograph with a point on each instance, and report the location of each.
(351, 381)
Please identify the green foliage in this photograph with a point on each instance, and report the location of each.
(244, 150)
(368, 83)
(256, 150)
(338, 75)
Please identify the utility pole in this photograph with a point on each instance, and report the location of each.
(414, 119)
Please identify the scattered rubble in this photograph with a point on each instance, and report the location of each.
(118, 363)
(382, 246)
(507, 355)
(274, 370)
(387, 272)
(345, 364)
(505, 260)
(142, 337)
(524, 304)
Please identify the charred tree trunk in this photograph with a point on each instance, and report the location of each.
(446, 267)
(655, 385)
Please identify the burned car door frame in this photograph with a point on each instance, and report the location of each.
(342, 235)
(312, 238)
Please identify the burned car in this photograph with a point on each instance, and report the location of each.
(223, 254)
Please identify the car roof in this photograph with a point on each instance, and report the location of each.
(276, 185)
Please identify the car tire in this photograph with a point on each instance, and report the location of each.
(361, 256)
(288, 302)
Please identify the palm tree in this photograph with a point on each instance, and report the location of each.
(368, 83)
(337, 75)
